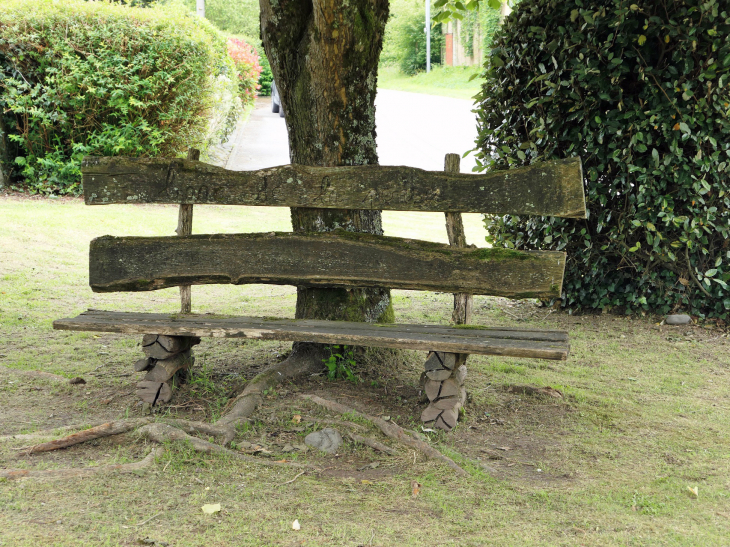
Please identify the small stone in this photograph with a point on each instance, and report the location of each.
(678, 319)
(288, 448)
(77, 381)
(327, 440)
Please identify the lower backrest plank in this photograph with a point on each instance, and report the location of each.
(340, 259)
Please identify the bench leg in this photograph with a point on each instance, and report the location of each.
(167, 360)
(444, 386)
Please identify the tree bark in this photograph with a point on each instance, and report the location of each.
(324, 56)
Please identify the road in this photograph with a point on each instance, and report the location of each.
(413, 129)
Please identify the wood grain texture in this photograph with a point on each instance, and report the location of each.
(485, 341)
(334, 259)
(552, 188)
(463, 302)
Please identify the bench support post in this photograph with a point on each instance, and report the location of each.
(169, 357)
(445, 372)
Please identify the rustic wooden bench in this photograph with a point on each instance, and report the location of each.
(334, 259)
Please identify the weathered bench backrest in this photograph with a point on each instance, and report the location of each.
(333, 259)
(552, 188)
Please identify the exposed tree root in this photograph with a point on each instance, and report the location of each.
(161, 433)
(44, 433)
(372, 443)
(304, 359)
(103, 430)
(82, 471)
(391, 430)
(225, 432)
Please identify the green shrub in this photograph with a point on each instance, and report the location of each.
(641, 93)
(81, 78)
(404, 44)
(266, 76)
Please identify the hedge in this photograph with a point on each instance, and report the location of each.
(81, 78)
(641, 92)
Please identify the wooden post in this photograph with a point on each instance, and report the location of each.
(445, 373)
(169, 356)
(457, 238)
(185, 228)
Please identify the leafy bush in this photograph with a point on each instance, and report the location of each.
(404, 44)
(246, 59)
(640, 92)
(81, 78)
(266, 76)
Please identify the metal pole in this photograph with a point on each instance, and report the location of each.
(428, 35)
(200, 5)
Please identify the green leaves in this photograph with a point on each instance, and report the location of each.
(93, 78)
(576, 78)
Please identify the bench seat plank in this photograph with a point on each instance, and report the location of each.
(334, 259)
(550, 188)
(482, 340)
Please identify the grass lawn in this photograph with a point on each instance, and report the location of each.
(644, 417)
(447, 81)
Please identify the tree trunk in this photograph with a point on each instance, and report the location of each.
(324, 57)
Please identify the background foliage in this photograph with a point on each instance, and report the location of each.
(240, 20)
(641, 94)
(82, 78)
(238, 17)
(246, 59)
(404, 44)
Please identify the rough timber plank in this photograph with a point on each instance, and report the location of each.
(552, 188)
(335, 259)
(486, 341)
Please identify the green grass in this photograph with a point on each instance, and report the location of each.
(446, 81)
(644, 417)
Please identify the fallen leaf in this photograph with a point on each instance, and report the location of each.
(693, 491)
(295, 525)
(364, 481)
(211, 508)
(296, 418)
(503, 448)
(427, 430)
(415, 488)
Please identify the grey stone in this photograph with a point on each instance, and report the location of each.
(678, 319)
(327, 440)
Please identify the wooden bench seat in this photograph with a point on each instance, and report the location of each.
(540, 344)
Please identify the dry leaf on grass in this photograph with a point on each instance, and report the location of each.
(693, 491)
(295, 525)
(296, 418)
(415, 488)
(211, 508)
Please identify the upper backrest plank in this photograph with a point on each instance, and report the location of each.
(552, 188)
(341, 259)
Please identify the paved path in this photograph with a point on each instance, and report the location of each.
(412, 129)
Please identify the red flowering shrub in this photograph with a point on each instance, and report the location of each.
(246, 59)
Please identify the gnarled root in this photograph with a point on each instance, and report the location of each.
(391, 430)
(82, 471)
(304, 359)
(161, 433)
(104, 430)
